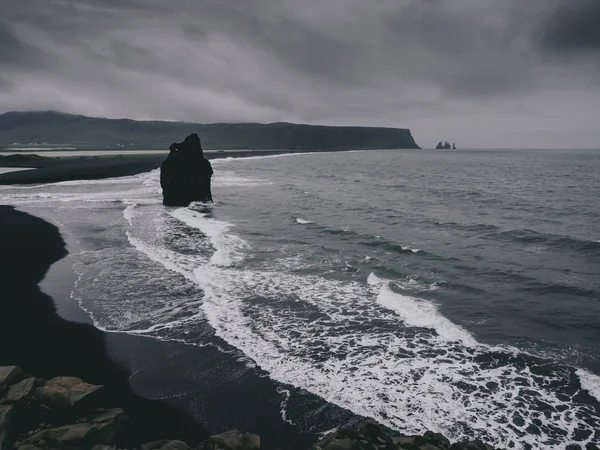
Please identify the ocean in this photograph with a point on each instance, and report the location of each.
(453, 291)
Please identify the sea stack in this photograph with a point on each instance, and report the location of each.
(185, 174)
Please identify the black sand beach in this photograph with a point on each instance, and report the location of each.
(37, 339)
(171, 390)
(50, 169)
(203, 389)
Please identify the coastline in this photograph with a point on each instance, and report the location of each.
(50, 169)
(46, 345)
(142, 373)
(191, 378)
(171, 390)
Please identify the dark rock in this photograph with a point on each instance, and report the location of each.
(429, 447)
(436, 439)
(10, 374)
(232, 440)
(6, 427)
(445, 146)
(340, 444)
(404, 441)
(573, 447)
(166, 445)
(592, 446)
(72, 395)
(102, 447)
(185, 174)
(329, 437)
(471, 445)
(370, 429)
(100, 429)
(21, 392)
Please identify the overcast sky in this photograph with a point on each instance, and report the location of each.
(482, 73)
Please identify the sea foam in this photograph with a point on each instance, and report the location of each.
(375, 348)
(590, 383)
(417, 312)
(382, 374)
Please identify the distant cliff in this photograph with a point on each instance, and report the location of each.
(54, 128)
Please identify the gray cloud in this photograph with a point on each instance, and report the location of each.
(574, 27)
(474, 71)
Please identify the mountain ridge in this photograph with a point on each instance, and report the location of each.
(59, 128)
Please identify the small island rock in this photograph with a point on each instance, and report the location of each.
(185, 174)
(445, 146)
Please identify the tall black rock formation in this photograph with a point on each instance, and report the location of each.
(185, 174)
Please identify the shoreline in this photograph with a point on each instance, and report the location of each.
(46, 345)
(154, 367)
(171, 390)
(86, 167)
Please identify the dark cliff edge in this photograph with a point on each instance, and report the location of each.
(58, 129)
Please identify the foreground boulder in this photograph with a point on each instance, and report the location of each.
(185, 174)
(98, 429)
(21, 392)
(72, 395)
(6, 426)
(232, 440)
(10, 374)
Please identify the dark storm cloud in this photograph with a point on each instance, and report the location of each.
(462, 69)
(573, 27)
(11, 50)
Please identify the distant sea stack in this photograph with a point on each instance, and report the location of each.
(185, 174)
(445, 146)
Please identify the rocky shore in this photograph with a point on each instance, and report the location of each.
(67, 413)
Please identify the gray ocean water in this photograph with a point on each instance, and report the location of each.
(454, 291)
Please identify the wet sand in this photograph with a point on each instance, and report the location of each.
(170, 389)
(54, 169)
(36, 338)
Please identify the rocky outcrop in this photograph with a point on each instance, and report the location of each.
(99, 428)
(8, 374)
(185, 174)
(445, 146)
(6, 426)
(65, 413)
(72, 396)
(232, 440)
(62, 413)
